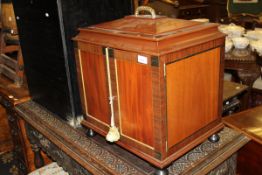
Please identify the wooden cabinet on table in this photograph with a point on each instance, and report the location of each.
(163, 78)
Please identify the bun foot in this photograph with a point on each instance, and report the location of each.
(214, 138)
(90, 133)
(161, 172)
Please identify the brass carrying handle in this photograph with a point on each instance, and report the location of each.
(145, 8)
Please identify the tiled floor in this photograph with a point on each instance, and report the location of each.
(7, 166)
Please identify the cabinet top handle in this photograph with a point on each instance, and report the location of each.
(146, 8)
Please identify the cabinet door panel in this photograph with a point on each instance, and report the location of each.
(135, 94)
(192, 94)
(95, 86)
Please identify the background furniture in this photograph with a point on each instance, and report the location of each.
(164, 8)
(249, 122)
(11, 60)
(243, 64)
(46, 29)
(235, 97)
(247, 15)
(249, 159)
(184, 9)
(5, 137)
(192, 11)
(217, 11)
(11, 95)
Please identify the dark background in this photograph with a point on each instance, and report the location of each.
(46, 28)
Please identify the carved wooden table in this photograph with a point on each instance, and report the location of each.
(10, 96)
(244, 62)
(244, 65)
(80, 155)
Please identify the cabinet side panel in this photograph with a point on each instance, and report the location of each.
(95, 86)
(192, 94)
(135, 92)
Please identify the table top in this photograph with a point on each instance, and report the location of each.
(13, 93)
(241, 55)
(248, 122)
(241, 59)
(232, 89)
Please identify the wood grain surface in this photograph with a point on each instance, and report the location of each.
(95, 86)
(248, 122)
(135, 94)
(6, 143)
(27, 148)
(192, 94)
(153, 127)
(250, 159)
(13, 93)
(232, 89)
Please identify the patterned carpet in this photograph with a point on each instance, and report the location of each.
(7, 166)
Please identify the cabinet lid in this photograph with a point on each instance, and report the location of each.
(154, 35)
(145, 26)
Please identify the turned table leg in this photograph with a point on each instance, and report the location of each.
(38, 159)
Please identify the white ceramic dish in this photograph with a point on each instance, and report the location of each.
(258, 29)
(232, 30)
(228, 45)
(257, 46)
(240, 42)
(254, 34)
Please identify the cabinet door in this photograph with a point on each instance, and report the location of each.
(135, 101)
(95, 86)
(192, 94)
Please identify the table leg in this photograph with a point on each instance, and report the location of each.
(248, 78)
(38, 159)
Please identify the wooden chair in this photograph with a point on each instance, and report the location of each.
(11, 60)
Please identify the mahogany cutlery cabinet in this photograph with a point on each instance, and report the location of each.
(166, 81)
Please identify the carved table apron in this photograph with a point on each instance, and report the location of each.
(80, 155)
